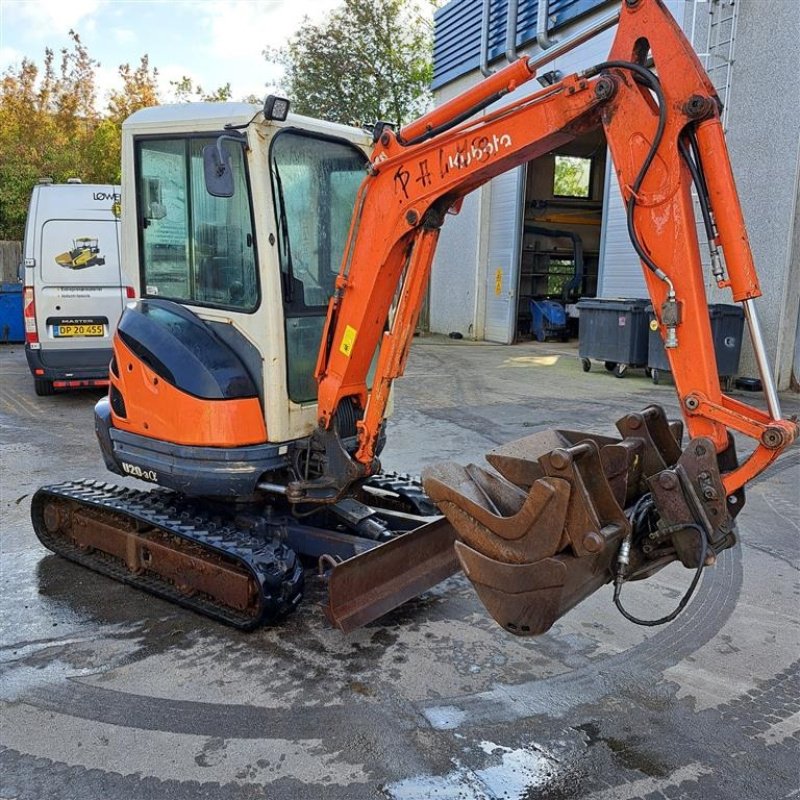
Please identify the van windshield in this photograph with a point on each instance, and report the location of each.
(195, 248)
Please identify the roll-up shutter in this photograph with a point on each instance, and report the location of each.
(502, 274)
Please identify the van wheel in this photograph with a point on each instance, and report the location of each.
(43, 387)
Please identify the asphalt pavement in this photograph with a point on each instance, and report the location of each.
(107, 693)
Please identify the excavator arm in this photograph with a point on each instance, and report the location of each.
(660, 115)
(565, 512)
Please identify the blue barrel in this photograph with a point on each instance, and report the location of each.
(12, 327)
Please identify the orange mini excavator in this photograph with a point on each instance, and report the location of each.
(283, 263)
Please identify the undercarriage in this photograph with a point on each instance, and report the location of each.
(243, 564)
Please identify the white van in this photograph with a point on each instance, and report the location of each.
(74, 290)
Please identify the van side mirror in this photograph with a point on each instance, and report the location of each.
(217, 167)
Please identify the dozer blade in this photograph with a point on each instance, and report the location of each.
(371, 584)
(546, 530)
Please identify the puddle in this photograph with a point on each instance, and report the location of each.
(510, 774)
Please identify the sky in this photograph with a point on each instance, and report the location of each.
(211, 41)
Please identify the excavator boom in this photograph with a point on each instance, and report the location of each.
(663, 128)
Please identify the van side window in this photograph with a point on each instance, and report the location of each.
(195, 248)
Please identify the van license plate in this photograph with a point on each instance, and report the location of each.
(78, 330)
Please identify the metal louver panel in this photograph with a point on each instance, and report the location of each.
(457, 31)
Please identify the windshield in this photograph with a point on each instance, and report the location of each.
(315, 181)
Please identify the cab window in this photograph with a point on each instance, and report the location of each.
(194, 248)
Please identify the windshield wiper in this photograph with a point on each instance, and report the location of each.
(283, 238)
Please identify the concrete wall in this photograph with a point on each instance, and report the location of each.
(794, 259)
(10, 255)
(764, 142)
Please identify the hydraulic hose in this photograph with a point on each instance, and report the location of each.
(652, 82)
(637, 517)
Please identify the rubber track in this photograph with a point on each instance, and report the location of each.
(408, 488)
(274, 566)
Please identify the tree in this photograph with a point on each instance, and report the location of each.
(186, 92)
(47, 124)
(50, 126)
(572, 176)
(139, 90)
(370, 60)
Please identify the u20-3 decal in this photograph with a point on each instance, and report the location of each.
(137, 472)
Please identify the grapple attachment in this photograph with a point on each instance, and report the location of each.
(565, 512)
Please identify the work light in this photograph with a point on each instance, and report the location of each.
(276, 108)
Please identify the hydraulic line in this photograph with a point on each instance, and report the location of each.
(653, 84)
(699, 182)
(638, 517)
(700, 178)
(691, 156)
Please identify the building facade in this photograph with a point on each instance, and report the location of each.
(518, 238)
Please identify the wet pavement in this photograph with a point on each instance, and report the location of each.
(109, 693)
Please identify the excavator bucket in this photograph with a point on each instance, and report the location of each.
(545, 529)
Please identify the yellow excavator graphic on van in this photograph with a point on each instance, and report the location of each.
(85, 253)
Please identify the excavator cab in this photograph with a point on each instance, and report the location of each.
(254, 266)
(212, 393)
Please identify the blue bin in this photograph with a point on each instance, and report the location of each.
(548, 318)
(12, 327)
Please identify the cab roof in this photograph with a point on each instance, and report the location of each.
(214, 116)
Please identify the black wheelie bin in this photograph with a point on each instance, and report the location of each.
(614, 331)
(727, 326)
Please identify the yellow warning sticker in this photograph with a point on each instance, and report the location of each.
(348, 340)
(498, 282)
(653, 324)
